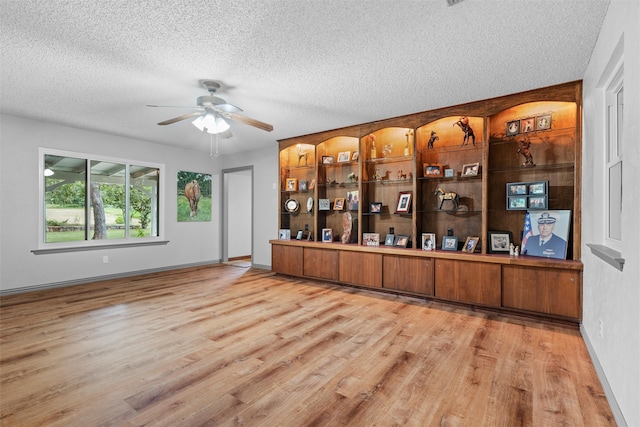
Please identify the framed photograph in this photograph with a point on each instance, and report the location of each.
(194, 196)
(538, 187)
(546, 233)
(470, 244)
(516, 188)
(449, 173)
(471, 169)
(428, 241)
(388, 241)
(375, 207)
(449, 243)
(299, 235)
(324, 204)
(527, 125)
(499, 241)
(284, 234)
(404, 202)
(344, 156)
(370, 239)
(338, 204)
(537, 202)
(328, 160)
(327, 235)
(513, 127)
(355, 155)
(352, 200)
(543, 122)
(292, 184)
(432, 170)
(401, 241)
(516, 203)
(302, 185)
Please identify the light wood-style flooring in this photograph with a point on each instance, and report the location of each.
(230, 346)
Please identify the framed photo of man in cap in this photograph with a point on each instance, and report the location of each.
(546, 233)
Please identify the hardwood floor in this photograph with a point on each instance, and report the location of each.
(230, 346)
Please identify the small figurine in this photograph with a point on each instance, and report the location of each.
(374, 152)
(409, 134)
(468, 132)
(433, 139)
(376, 176)
(387, 149)
(512, 249)
(402, 175)
(302, 155)
(523, 148)
(443, 196)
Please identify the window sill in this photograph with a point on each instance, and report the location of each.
(607, 254)
(97, 247)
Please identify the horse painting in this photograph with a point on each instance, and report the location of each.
(443, 196)
(192, 193)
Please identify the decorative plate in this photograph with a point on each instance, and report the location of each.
(309, 204)
(291, 205)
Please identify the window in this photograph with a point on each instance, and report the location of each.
(614, 121)
(87, 198)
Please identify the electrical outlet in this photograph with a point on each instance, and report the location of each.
(105, 259)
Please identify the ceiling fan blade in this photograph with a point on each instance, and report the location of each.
(229, 108)
(248, 121)
(180, 118)
(175, 106)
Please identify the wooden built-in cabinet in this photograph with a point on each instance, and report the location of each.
(337, 177)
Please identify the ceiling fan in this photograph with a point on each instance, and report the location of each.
(211, 112)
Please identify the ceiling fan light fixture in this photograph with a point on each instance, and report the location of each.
(199, 123)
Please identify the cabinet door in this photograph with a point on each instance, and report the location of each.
(468, 281)
(286, 259)
(361, 268)
(321, 263)
(411, 274)
(543, 290)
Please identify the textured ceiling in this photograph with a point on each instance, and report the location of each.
(302, 66)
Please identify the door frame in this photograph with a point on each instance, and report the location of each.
(224, 222)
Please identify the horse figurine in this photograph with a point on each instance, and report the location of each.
(444, 196)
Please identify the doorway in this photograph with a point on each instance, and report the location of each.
(237, 216)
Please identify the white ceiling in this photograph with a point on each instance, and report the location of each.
(303, 66)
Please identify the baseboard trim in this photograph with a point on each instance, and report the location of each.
(104, 277)
(611, 398)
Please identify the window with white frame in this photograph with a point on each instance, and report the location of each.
(89, 198)
(614, 97)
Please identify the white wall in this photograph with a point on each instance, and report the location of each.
(611, 296)
(239, 198)
(190, 243)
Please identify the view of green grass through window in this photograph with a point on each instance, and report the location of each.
(119, 201)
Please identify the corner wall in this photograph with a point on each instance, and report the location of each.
(611, 298)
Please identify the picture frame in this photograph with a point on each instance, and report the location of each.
(537, 202)
(327, 235)
(539, 187)
(344, 156)
(449, 243)
(302, 185)
(328, 160)
(513, 127)
(432, 170)
(284, 234)
(551, 225)
(404, 202)
(299, 235)
(375, 207)
(470, 244)
(353, 200)
(543, 122)
(471, 169)
(371, 239)
(517, 188)
(449, 173)
(355, 155)
(292, 184)
(324, 204)
(338, 204)
(388, 241)
(428, 241)
(517, 203)
(401, 241)
(499, 241)
(527, 125)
